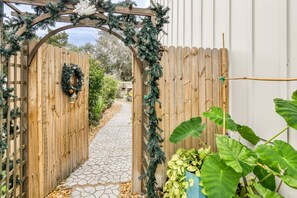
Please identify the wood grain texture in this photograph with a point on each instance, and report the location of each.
(137, 128)
(190, 86)
(58, 140)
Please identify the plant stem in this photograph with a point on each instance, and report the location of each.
(204, 145)
(245, 182)
(276, 135)
(265, 177)
(279, 185)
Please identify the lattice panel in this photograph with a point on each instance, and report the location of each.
(14, 127)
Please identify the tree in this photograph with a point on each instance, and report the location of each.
(114, 56)
(59, 40)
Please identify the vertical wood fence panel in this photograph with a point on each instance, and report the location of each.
(58, 140)
(190, 86)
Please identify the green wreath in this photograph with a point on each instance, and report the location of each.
(69, 72)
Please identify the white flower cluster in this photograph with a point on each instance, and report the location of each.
(84, 8)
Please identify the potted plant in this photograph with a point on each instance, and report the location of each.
(238, 171)
(183, 172)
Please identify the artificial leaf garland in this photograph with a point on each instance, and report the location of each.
(149, 49)
(68, 74)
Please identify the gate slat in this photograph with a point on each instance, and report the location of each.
(187, 69)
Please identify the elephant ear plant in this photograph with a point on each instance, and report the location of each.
(238, 171)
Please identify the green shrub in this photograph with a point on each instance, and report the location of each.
(109, 90)
(96, 82)
(102, 92)
(99, 107)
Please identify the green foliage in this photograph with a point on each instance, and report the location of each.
(109, 90)
(248, 134)
(221, 171)
(184, 160)
(288, 110)
(97, 110)
(266, 179)
(96, 81)
(192, 127)
(102, 91)
(280, 157)
(237, 156)
(216, 115)
(59, 40)
(113, 55)
(219, 180)
(264, 192)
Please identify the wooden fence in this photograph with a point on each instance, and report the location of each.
(57, 142)
(58, 129)
(190, 86)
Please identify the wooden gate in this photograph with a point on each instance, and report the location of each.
(45, 137)
(190, 86)
(58, 128)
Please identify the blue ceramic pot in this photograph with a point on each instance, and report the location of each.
(195, 190)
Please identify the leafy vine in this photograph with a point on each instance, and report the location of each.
(145, 40)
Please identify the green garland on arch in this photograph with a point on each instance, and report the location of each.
(149, 50)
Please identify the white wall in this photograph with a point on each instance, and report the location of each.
(261, 36)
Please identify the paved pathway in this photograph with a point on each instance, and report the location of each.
(110, 160)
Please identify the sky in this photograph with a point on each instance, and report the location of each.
(78, 36)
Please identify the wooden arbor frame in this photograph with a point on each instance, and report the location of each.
(137, 138)
(83, 23)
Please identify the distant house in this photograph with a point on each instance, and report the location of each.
(261, 37)
(124, 88)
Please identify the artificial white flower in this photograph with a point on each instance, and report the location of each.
(84, 8)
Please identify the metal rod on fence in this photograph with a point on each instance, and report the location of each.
(261, 79)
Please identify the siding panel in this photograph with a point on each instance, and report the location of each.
(261, 37)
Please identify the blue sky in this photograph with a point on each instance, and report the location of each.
(79, 36)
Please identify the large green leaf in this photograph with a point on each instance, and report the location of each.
(288, 156)
(236, 155)
(290, 180)
(264, 192)
(248, 134)
(279, 156)
(219, 180)
(269, 182)
(288, 110)
(216, 115)
(192, 127)
(294, 95)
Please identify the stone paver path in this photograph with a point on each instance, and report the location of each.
(110, 160)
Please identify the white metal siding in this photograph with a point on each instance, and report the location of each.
(261, 36)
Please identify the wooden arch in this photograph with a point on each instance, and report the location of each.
(42, 18)
(66, 27)
(137, 154)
